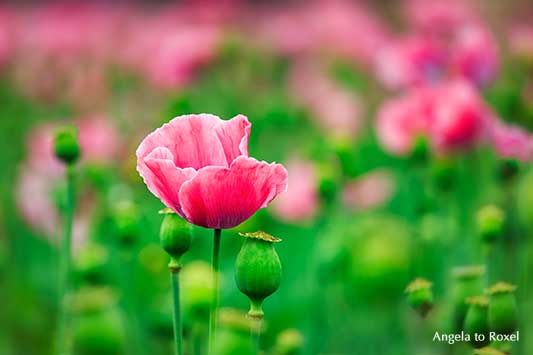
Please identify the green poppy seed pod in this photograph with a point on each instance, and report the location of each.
(477, 322)
(488, 351)
(258, 270)
(66, 146)
(175, 237)
(420, 296)
(289, 342)
(99, 333)
(490, 221)
(467, 283)
(503, 310)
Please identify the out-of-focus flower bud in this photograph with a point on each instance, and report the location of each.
(197, 288)
(503, 310)
(420, 150)
(98, 326)
(66, 145)
(490, 221)
(442, 173)
(233, 335)
(420, 296)
(289, 342)
(258, 270)
(90, 262)
(175, 236)
(508, 169)
(126, 221)
(476, 321)
(467, 283)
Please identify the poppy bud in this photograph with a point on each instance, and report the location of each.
(126, 221)
(420, 150)
(476, 321)
(175, 236)
(289, 342)
(468, 283)
(488, 351)
(66, 146)
(258, 270)
(490, 221)
(89, 264)
(420, 296)
(503, 312)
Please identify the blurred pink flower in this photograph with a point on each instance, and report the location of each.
(370, 190)
(411, 61)
(339, 111)
(99, 139)
(511, 142)
(198, 165)
(475, 55)
(459, 117)
(300, 202)
(438, 17)
(450, 115)
(333, 26)
(402, 119)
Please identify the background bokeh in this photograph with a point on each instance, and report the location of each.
(403, 124)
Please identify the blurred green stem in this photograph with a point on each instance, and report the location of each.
(213, 314)
(62, 347)
(174, 278)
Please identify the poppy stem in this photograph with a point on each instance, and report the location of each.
(174, 278)
(62, 346)
(213, 314)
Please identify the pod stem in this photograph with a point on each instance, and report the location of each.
(62, 346)
(175, 281)
(213, 312)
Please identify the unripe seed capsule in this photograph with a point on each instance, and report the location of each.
(477, 322)
(175, 236)
(258, 270)
(490, 220)
(467, 283)
(66, 146)
(420, 296)
(503, 311)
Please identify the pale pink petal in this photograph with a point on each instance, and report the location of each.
(219, 197)
(163, 178)
(191, 141)
(234, 135)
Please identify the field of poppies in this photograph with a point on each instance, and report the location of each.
(266, 177)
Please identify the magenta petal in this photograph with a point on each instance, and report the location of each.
(220, 197)
(163, 178)
(234, 135)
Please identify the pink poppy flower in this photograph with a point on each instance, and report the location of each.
(511, 142)
(459, 118)
(411, 61)
(451, 115)
(401, 120)
(198, 165)
(301, 202)
(475, 55)
(370, 190)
